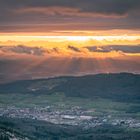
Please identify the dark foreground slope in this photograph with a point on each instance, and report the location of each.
(120, 87)
(39, 130)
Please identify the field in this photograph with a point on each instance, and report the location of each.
(60, 101)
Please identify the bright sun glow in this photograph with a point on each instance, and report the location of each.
(64, 41)
(68, 38)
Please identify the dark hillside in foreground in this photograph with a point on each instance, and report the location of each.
(40, 130)
(120, 87)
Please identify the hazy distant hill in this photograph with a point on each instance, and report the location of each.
(122, 87)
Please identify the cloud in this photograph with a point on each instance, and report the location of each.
(102, 13)
(122, 48)
(20, 49)
(54, 61)
(75, 49)
(64, 11)
(118, 7)
(72, 51)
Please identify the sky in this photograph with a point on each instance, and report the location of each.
(46, 38)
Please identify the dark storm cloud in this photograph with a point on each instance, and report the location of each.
(122, 48)
(28, 12)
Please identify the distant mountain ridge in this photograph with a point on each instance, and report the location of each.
(119, 86)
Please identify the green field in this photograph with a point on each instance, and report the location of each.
(60, 101)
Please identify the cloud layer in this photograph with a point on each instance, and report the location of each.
(28, 15)
(70, 50)
(23, 62)
(122, 48)
(18, 68)
(20, 49)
